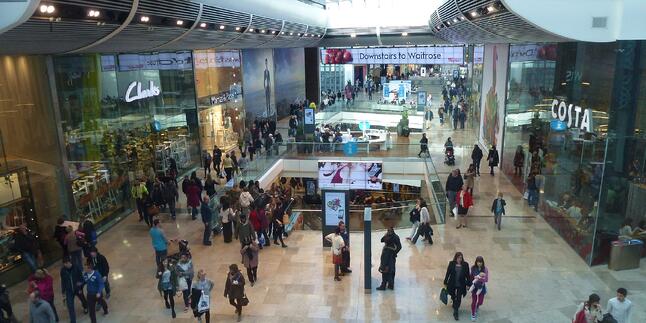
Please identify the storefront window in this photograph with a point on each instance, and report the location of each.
(219, 91)
(124, 117)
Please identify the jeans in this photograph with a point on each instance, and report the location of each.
(160, 255)
(69, 301)
(140, 208)
(476, 163)
(476, 301)
(172, 208)
(498, 220)
(413, 229)
(278, 234)
(193, 213)
(169, 299)
(388, 279)
(91, 302)
(30, 259)
(451, 196)
(236, 303)
(252, 273)
(186, 294)
(456, 298)
(207, 233)
(532, 198)
(263, 232)
(53, 309)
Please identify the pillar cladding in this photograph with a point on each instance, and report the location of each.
(624, 100)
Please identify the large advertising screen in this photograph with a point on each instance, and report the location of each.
(402, 55)
(344, 175)
(494, 82)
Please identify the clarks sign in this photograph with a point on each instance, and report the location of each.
(140, 93)
(574, 116)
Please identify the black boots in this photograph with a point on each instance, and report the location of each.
(382, 286)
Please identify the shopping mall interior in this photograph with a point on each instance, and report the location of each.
(193, 160)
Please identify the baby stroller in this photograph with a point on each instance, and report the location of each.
(449, 157)
(183, 249)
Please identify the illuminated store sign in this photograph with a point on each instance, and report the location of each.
(404, 55)
(573, 116)
(150, 92)
(223, 97)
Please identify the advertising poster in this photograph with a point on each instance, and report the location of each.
(289, 66)
(334, 205)
(494, 84)
(350, 175)
(259, 83)
(421, 100)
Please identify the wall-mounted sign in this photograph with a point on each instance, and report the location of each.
(151, 91)
(206, 59)
(405, 55)
(159, 61)
(573, 116)
(223, 97)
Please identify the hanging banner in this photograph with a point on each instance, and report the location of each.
(404, 55)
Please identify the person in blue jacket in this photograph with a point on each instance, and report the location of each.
(95, 286)
(72, 287)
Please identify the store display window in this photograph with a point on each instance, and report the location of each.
(218, 79)
(124, 117)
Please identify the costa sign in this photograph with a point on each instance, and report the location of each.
(151, 91)
(572, 115)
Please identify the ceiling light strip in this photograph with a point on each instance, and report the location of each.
(195, 24)
(239, 33)
(274, 36)
(131, 16)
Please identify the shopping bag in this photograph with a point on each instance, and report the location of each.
(444, 296)
(153, 210)
(244, 301)
(261, 239)
(455, 211)
(182, 284)
(204, 303)
(526, 195)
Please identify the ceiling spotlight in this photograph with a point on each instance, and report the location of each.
(404, 34)
(47, 8)
(491, 9)
(144, 19)
(305, 35)
(474, 13)
(180, 22)
(222, 27)
(299, 34)
(93, 13)
(282, 33)
(291, 34)
(462, 17)
(203, 24)
(262, 31)
(448, 23)
(353, 35)
(455, 19)
(237, 28)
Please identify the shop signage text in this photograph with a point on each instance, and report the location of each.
(151, 91)
(403, 55)
(574, 116)
(223, 97)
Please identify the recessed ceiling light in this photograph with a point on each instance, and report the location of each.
(491, 9)
(180, 22)
(203, 25)
(299, 34)
(462, 17)
(250, 30)
(291, 34)
(144, 19)
(47, 8)
(221, 27)
(273, 32)
(282, 33)
(93, 13)
(262, 31)
(404, 34)
(474, 13)
(455, 19)
(448, 23)
(237, 28)
(353, 35)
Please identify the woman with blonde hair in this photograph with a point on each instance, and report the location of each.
(200, 296)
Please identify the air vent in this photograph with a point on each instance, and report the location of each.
(599, 22)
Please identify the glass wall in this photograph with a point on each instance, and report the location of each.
(590, 180)
(124, 117)
(31, 190)
(218, 80)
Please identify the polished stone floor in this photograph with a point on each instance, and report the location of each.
(534, 275)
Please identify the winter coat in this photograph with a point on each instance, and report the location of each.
(476, 154)
(454, 183)
(457, 283)
(232, 289)
(468, 200)
(205, 211)
(193, 195)
(493, 157)
(41, 312)
(170, 192)
(71, 280)
(45, 286)
(247, 261)
(100, 264)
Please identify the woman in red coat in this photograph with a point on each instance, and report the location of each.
(193, 198)
(463, 202)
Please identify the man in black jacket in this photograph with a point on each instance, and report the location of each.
(101, 265)
(387, 266)
(72, 286)
(476, 157)
(453, 184)
(27, 244)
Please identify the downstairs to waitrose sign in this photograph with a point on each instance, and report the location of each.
(574, 116)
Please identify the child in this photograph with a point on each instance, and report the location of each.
(498, 209)
(478, 284)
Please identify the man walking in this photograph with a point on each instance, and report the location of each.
(159, 241)
(476, 157)
(620, 307)
(207, 217)
(95, 287)
(100, 264)
(453, 184)
(423, 143)
(72, 287)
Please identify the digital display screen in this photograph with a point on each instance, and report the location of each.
(346, 175)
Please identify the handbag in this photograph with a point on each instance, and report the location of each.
(244, 301)
(203, 304)
(444, 296)
(182, 284)
(153, 210)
